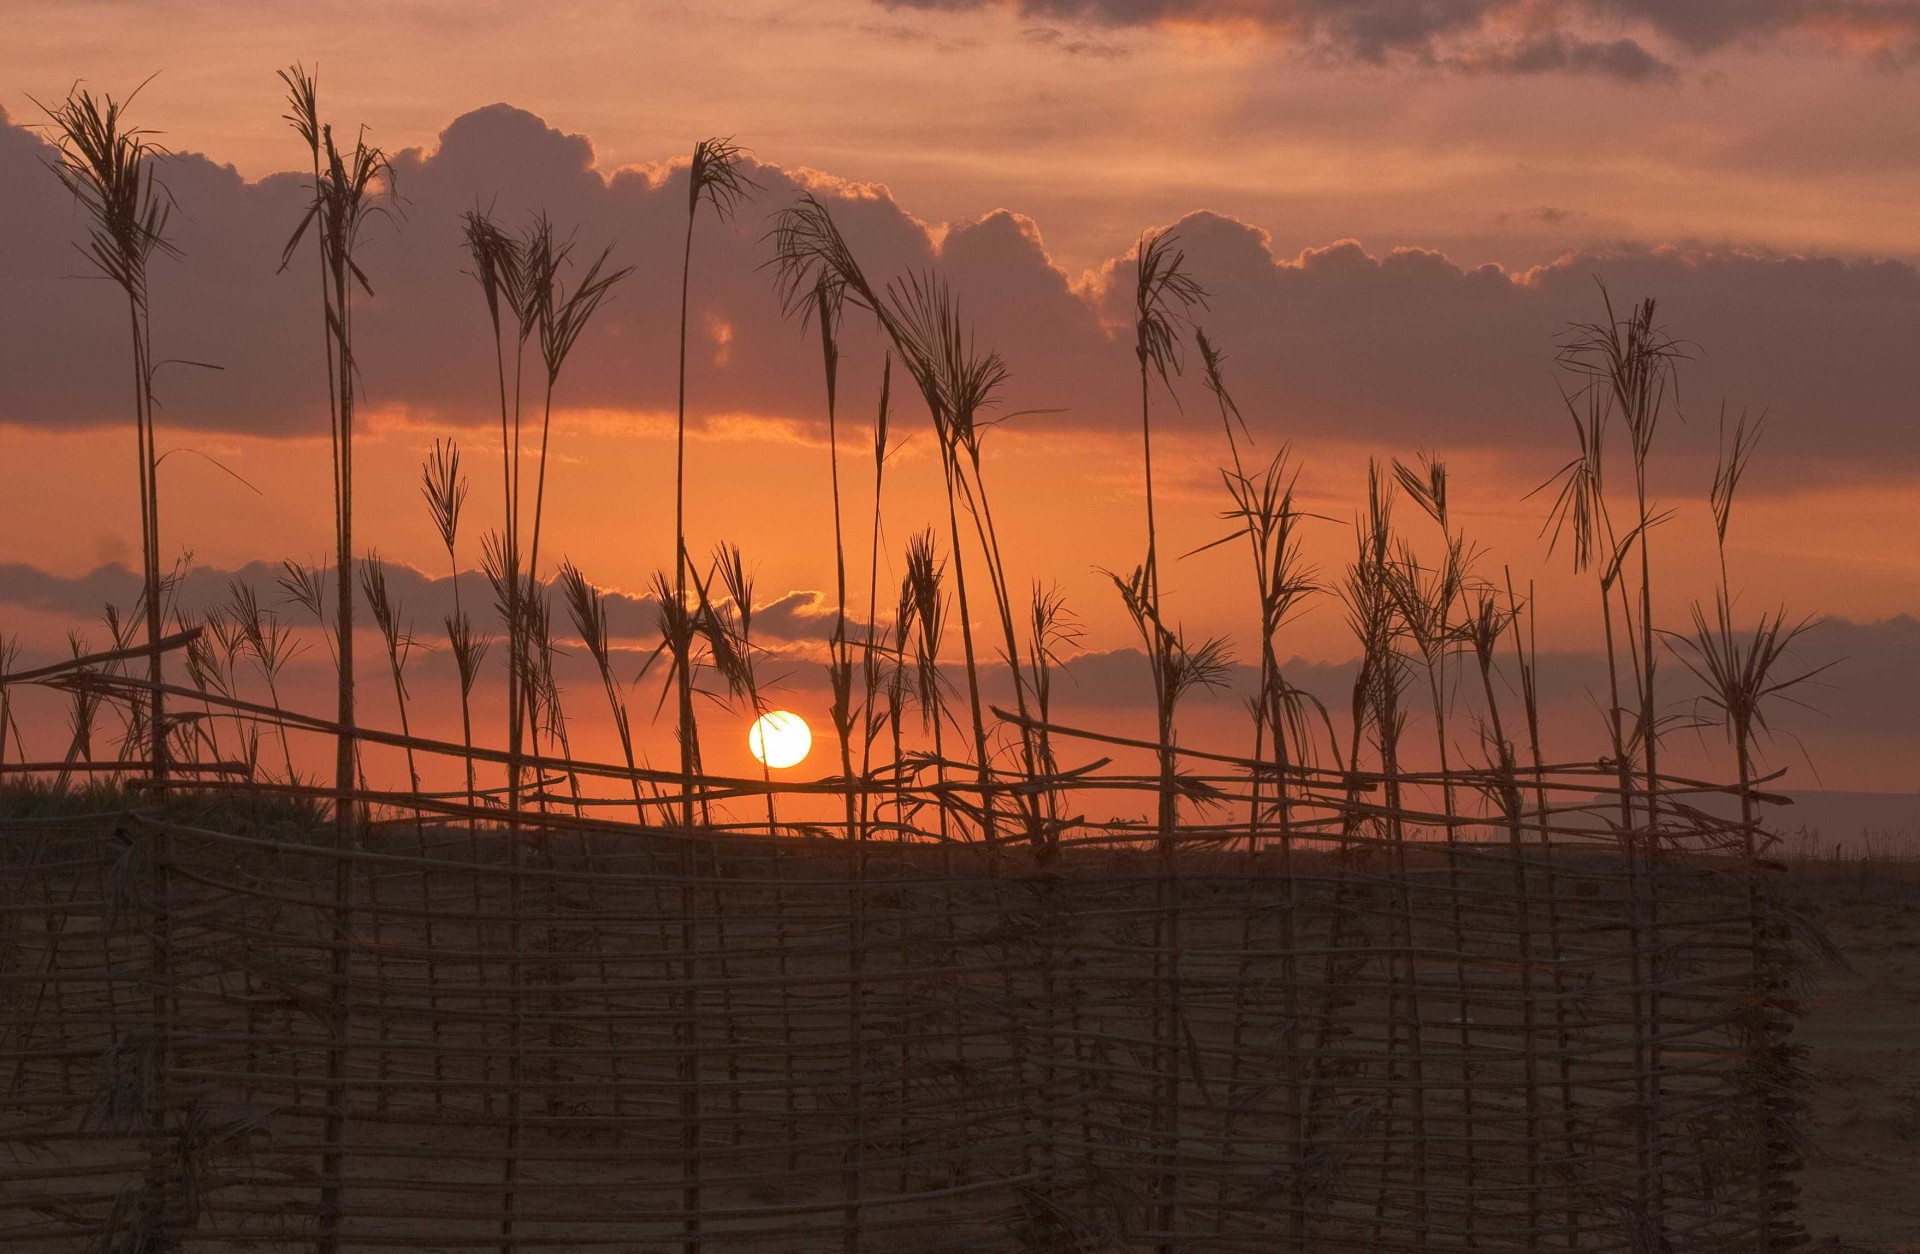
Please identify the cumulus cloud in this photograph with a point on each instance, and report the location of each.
(1401, 346)
(1630, 40)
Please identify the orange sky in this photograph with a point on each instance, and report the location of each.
(1795, 138)
(1761, 179)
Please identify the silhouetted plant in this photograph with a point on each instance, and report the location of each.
(108, 166)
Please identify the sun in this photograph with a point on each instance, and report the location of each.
(779, 739)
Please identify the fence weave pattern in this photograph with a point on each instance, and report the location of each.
(563, 1034)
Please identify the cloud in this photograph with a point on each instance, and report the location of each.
(425, 601)
(1857, 722)
(1395, 347)
(1635, 41)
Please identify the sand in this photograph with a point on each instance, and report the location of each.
(1861, 1186)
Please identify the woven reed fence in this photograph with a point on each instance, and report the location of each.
(1402, 1012)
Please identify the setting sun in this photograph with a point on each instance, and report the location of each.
(779, 739)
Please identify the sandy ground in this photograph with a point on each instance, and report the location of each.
(1861, 1186)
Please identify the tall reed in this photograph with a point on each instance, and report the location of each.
(445, 490)
(1743, 673)
(815, 270)
(1163, 294)
(346, 187)
(1263, 510)
(555, 316)
(715, 176)
(499, 267)
(108, 167)
(1425, 599)
(871, 651)
(1630, 366)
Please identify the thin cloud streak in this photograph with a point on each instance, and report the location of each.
(1634, 41)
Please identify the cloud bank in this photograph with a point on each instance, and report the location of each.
(1870, 683)
(1405, 346)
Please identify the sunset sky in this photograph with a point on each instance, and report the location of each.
(1396, 210)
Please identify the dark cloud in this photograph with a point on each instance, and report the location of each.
(1864, 699)
(1623, 59)
(1621, 39)
(1868, 677)
(422, 600)
(1400, 347)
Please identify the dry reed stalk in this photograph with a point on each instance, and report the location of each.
(816, 274)
(1485, 628)
(824, 308)
(500, 270)
(270, 642)
(259, 632)
(923, 587)
(1738, 672)
(588, 610)
(445, 489)
(1265, 513)
(1377, 691)
(871, 718)
(732, 624)
(1526, 653)
(9, 661)
(731, 655)
(108, 167)
(898, 692)
(1425, 604)
(398, 638)
(344, 188)
(714, 176)
(853, 1162)
(947, 365)
(1163, 293)
(516, 1057)
(689, 1075)
(80, 715)
(1632, 364)
(204, 671)
(1052, 631)
(857, 823)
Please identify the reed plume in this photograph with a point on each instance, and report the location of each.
(588, 610)
(271, 643)
(922, 589)
(445, 489)
(397, 636)
(733, 623)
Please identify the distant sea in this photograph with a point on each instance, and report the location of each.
(1876, 824)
